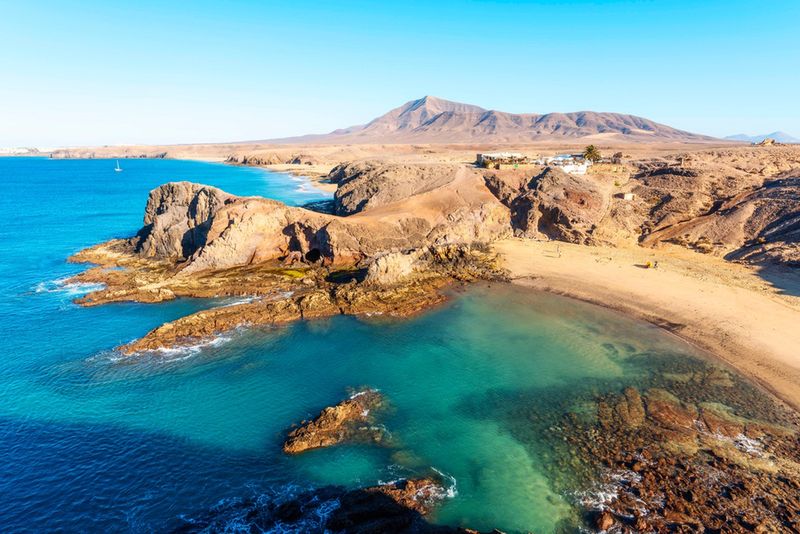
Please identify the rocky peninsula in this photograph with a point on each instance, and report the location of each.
(402, 231)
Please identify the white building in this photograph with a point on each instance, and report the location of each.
(569, 163)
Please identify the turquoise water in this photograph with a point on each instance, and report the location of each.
(93, 442)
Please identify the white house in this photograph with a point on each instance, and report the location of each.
(569, 163)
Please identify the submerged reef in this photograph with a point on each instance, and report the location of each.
(691, 447)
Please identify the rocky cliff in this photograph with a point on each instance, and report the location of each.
(205, 228)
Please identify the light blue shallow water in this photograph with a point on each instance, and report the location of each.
(89, 442)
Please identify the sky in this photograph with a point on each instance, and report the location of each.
(157, 72)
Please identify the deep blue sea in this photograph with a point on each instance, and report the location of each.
(92, 442)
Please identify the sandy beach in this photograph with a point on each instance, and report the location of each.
(727, 309)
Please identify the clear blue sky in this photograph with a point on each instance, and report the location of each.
(106, 72)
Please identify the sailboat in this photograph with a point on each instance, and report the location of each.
(118, 168)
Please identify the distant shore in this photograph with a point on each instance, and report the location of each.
(727, 309)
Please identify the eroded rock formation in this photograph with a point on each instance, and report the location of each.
(205, 228)
(550, 204)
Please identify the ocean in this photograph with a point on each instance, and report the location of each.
(94, 442)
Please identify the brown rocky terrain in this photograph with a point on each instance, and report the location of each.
(292, 263)
(550, 204)
(226, 231)
(370, 184)
(352, 420)
(740, 204)
(395, 284)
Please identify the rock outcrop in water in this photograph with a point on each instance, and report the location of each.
(714, 471)
(275, 294)
(352, 420)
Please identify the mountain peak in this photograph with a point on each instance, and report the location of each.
(431, 119)
(434, 104)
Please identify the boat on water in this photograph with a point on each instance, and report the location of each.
(118, 168)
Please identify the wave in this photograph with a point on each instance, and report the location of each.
(601, 494)
(164, 355)
(66, 287)
(307, 189)
(450, 487)
(183, 352)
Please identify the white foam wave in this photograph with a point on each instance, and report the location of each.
(450, 488)
(363, 392)
(65, 286)
(236, 302)
(600, 496)
(162, 355)
(306, 188)
(183, 352)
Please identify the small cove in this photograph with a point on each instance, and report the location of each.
(92, 442)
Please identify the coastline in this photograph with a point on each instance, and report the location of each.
(689, 295)
(314, 174)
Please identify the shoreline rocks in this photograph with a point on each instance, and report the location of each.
(401, 506)
(276, 293)
(691, 448)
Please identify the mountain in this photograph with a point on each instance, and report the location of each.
(435, 120)
(780, 137)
